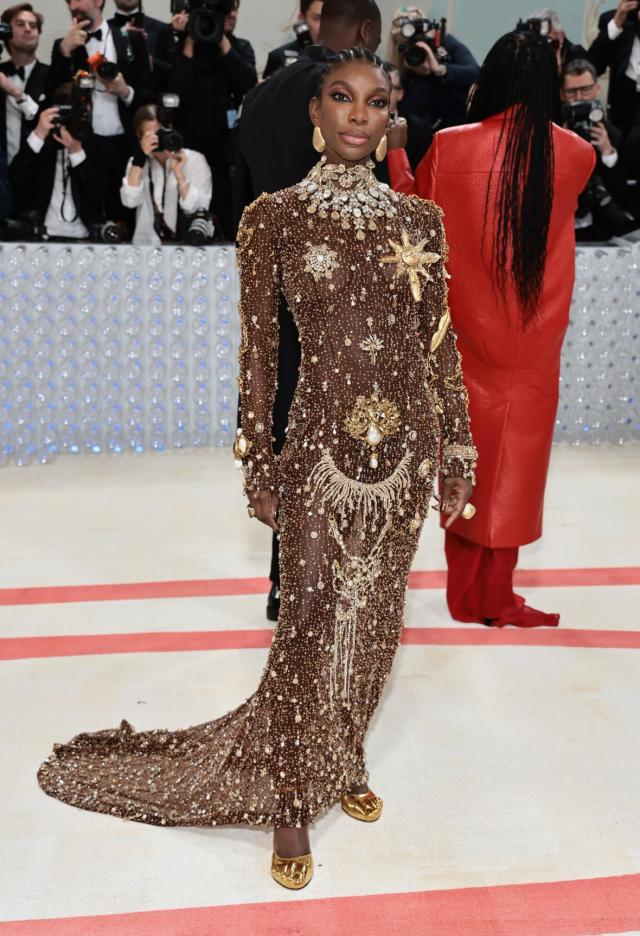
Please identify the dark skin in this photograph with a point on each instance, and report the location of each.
(353, 116)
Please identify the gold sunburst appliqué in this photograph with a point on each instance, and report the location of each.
(412, 260)
(320, 262)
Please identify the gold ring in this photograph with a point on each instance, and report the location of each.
(468, 512)
(251, 510)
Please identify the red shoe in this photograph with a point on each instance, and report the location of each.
(521, 615)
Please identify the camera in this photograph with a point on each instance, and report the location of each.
(169, 139)
(430, 32)
(27, 227)
(108, 232)
(6, 33)
(106, 70)
(542, 26)
(200, 229)
(582, 116)
(206, 18)
(302, 34)
(167, 109)
(75, 113)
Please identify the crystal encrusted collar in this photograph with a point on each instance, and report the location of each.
(351, 195)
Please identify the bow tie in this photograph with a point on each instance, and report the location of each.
(95, 35)
(12, 70)
(122, 19)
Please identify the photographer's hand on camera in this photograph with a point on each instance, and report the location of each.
(76, 37)
(119, 87)
(624, 8)
(177, 162)
(64, 138)
(46, 122)
(430, 66)
(601, 141)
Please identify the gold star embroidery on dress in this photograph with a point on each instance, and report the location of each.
(320, 262)
(372, 345)
(412, 259)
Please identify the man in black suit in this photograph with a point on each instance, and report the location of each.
(22, 78)
(307, 29)
(56, 174)
(129, 15)
(601, 207)
(275, 151)
(91, 42)
(617, 46)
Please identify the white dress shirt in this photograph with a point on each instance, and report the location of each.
(633, 68)
(62, 204)
(105, 117)
(165, 189)
(16, 113)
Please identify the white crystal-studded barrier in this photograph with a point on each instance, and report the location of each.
(601, 353)
(115, 349)
(130, 349)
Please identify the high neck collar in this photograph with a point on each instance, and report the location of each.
(340, 177)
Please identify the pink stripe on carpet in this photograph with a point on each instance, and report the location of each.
(27, 648)
(212, 588)
(559, 908)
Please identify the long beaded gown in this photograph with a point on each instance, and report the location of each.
(380, 406)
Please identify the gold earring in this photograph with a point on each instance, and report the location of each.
(319, 144)
(381, 148)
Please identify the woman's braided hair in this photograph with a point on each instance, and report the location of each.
(355, 54)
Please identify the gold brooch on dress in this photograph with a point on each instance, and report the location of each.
(371, 421)
(412, 259)
(241, 448)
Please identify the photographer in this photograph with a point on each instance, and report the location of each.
(437, 70)
(600, 213)
(120, 62)
(551, 28)
(164, 186)
(306, 30)
(22, 77)
(617, 47)
(212, 71)
(56, 175)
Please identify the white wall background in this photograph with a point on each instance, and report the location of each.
(266, 23)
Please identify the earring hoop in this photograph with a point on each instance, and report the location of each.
(381, 148)
(318, 140)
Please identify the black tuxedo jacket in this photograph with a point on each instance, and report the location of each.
(32, 177)
(623, 97)
(278, 58)
(35, 88)
(133, 61)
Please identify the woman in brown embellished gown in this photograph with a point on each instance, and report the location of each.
(380, 405)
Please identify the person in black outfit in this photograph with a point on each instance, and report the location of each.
(22, 78)
(617, 46)
(114, 101)
(275, 151)
(598, 217)
(129, 14)
(419, 130)
(56, 174)
(6, 195)
(211, 81)
(310, 13)
(435, 91)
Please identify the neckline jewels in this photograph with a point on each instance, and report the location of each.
(350, 195)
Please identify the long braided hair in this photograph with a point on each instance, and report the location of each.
(520, 73)
(355, 54)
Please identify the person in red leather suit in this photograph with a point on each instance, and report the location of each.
(508, 183)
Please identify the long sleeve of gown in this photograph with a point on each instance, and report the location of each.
(260, 279)
(459, 456)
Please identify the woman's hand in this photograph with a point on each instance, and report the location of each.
(148, 142)
(177, 163)
(265, 504)
(456, 493)
(397, 133)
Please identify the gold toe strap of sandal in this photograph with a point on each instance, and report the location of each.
(363, 806)
(292, 873)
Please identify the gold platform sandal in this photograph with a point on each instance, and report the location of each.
(366, 807)
(292, 873)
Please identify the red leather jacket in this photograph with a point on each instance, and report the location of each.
(512, 373)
